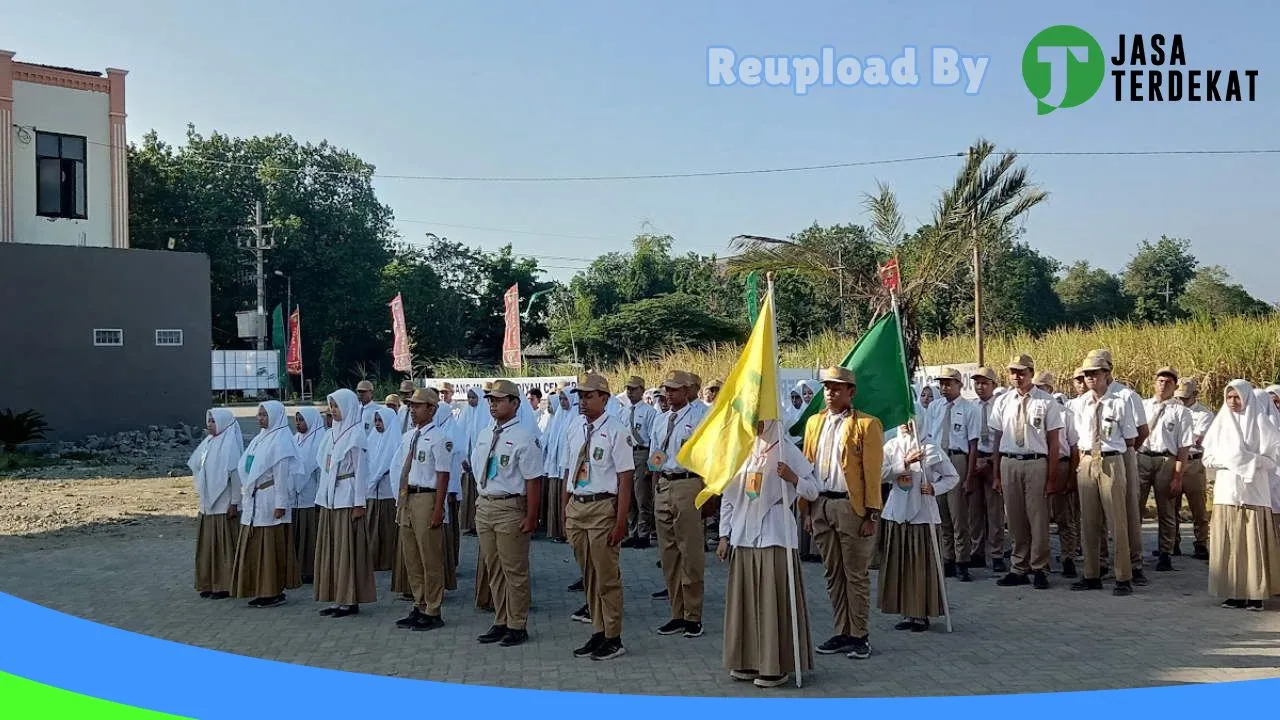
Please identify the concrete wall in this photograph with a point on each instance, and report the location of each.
(68, 112)
(51, 300)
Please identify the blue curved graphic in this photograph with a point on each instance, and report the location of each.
(83, 657)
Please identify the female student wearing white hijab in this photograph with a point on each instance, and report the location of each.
(909, 582)
(344, 569)
(553, 445)
(213, 468)
(1244, 552)
(757, 530)
(266, 562)
(380, 507)
(310, 431)
(473, 418)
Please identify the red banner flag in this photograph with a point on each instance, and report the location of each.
(511, 340)
(402, 361)
(293, 359)
(889, 275)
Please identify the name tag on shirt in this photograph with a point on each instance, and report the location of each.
(657, 460)
(248, 463)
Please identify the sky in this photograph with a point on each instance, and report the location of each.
(555, 89)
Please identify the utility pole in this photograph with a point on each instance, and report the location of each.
(977, 301)
(261, 243)
(1167, 293)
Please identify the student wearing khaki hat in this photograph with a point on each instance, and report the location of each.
(422, 465)
(953, 424)
(1026, 421)
(639, 417)
(1064, 505)
(364, 393)
(986, 506)
(1102, 358)
(1195, 482)
(1162, 460)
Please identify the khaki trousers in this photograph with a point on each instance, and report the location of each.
(1103, 509)
(1064, 511)
(505, 552)
(957, 543)
(845, 559)
(1027, 510)
(1156, 473)
(1133, 506)
(1195, 489)
(588, 525)
(986, 515)
(424, 552)
(681, 545)
(640, 517)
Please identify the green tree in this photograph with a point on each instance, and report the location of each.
(1166, 266)
(1091, 295)
(1019, 291)
(654, 325)
(1211, 295)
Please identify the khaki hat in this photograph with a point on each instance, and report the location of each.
(424, 396)
(364, 385)
(837, 375)
(407, 387)
(715, 385)
(1044, 377)
(949, 373)
(1168, 371)
(1104, 353)
(392, 399)
(1078, 374)
(447, 386)
(502, 388)
(1096, 361)
(593, 383)
(1021, 362)
(986, 372)
(677, 379)
(634, 382)
(1186, 389)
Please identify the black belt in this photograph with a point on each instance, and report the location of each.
(594, 497)
(414, 489)
(677, 475)
(1032, 456)
(1148, 453)
(1104, 453)
(1194, 456)
(951, 453)
(984, 454)
(640, 447)
(501, 497)
(834, 495)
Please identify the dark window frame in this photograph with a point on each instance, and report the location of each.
(73, 186)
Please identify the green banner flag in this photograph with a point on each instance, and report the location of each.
(753, 298)
(884, 390)
(278, 342)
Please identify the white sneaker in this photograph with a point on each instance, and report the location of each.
(772, 682)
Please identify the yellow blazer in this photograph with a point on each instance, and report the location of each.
(861, 457)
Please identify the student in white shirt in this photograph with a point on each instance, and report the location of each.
(344, 567)
(1133, 503)
(423, 461)
(310, 433)
(639, 418)
(1195, 477)
(1064, 505)
(986, 506)
(1162, 459)
(380, 507)
(213, 471)
(266, 563)
(953, 424)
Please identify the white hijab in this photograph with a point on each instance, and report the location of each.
(271, 445)
(309, 444)
(766, 452)
(384, 445)
(1245, 444)
(216, 457)
(346, 435)
(558, 430)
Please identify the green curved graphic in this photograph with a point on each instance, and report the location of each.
(24, 699)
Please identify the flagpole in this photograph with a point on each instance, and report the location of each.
(791, 561)
(924, 467)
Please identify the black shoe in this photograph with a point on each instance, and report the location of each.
(1068, 568)
(1122, 589)
(905, 625)
(673, 627)
(496, 633)
(220, 595)
(1164, 564)
(629, 542)
(1104, 570)
(410, 620)
(641, 544)
(346, 611)
(1233, 604)
(1140, 578)
(513, 638)
(692, 629)
(308, 579)
(836, 645)
(1087, 584)
(1155, 553)
(258, 602)
(428, 622)
(329, 611)
(1013, 580)
(660, 595)
(595, 642)
(486, 609)
(206, 594)
(609, 649)
(963, 572)
(405, 597)
(859, 649)
(1254, 605)
(272, 601)
(949, 569)
(811, 557)
(578, 586)
(920, 625)
(978, 562)
(998, 566)
(582, 614)
(1201, 552)
(1040, 581)
(1177, 549)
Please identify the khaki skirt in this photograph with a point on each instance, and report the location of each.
(909, 583)
(304, 538)
(266, 562)
(468, 510)
(553, 514)
(381, 529)
(344, 570)
(1244, 553)
(215, 552)
(757, 613)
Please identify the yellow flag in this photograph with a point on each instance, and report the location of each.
(723, 440)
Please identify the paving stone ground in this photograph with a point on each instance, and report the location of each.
(138, 577)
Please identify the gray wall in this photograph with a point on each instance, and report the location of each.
(51, 300)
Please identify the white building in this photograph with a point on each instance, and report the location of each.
(63, 156)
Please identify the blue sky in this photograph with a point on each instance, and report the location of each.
(577, 88)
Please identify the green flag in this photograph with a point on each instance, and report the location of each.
(753, 298)
(278, 342)
(884, 391)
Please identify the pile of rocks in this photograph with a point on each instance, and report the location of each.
(158, 448)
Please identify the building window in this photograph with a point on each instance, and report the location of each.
(108, 338)
(168, 338)
(60, 176)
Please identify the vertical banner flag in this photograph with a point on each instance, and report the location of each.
(511, 340)
(753, 298)
(401, 360)
(293, 361)
(889, 275)
(278, 344)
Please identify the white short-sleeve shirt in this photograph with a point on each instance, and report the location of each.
(610, 454)
(505, 468)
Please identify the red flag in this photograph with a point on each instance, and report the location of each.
(293, 359)
(511, 340)
(401, 359)
(889, 275)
